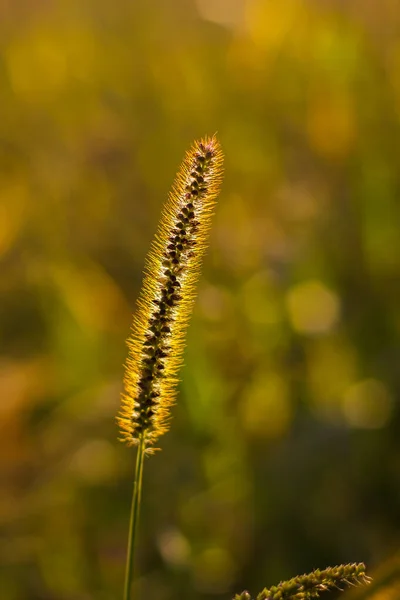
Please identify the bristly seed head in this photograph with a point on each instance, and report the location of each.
(173, 265)
(308, 587)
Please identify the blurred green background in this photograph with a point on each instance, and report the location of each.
(284, 449)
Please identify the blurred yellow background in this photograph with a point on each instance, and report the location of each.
(284, 449)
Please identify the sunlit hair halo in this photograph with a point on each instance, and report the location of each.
(173, 265)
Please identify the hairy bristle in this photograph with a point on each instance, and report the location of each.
(172, 268)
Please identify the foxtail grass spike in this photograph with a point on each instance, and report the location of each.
(173, 265)
(308, 587)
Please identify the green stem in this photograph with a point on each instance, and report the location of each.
(133, 523)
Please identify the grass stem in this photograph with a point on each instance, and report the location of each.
(134, 518)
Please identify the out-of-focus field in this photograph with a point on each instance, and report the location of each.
(284, 448)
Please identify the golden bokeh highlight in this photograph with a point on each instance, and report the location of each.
(312, 307)
(367, 404)
(266, 409)
(331, 369)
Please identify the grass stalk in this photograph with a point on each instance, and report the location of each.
(158, 330)
(134, 518)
